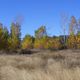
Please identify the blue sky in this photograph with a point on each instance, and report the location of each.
(37, 13)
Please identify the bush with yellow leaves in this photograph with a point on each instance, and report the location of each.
(54, 43)
(27, 42)
(47, 43)
(41, 43)
(71, 41)
(78, 41)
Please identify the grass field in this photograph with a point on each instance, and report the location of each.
(45, 65)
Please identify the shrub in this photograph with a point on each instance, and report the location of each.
(54, 43)
(41, 43)
(71, 42)
(47, 43)
(78, 41)
(27, 42)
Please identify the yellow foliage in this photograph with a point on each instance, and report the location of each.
(14, 39)
(41, 43)
(78, 41)
(13, 43)
(71, 42)
(54, 43)
(27, 42)
(47, 43)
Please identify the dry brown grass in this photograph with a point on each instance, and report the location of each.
(60, 65)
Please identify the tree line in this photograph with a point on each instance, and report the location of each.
(12, 40)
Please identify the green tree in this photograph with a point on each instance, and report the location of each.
(40, 37)
(5, 37)
(14, 38)
(1, 36)
(40, 32)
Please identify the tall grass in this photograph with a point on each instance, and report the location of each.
(42, 66)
